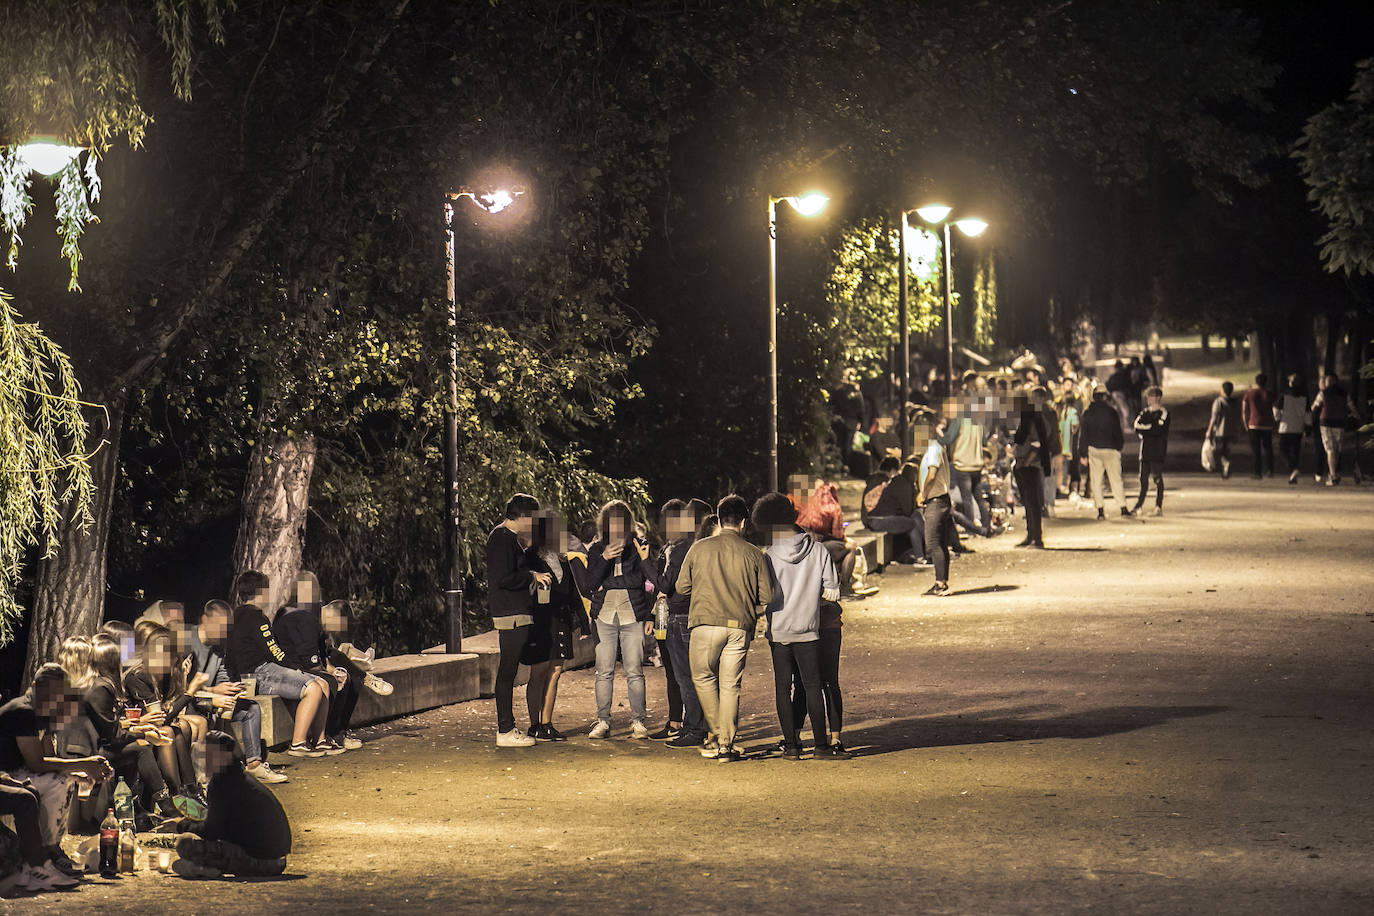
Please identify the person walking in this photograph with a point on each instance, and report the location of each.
(1257, 406)
(509, 582)
(801, 574)
(726, 579)
(1101, 431)
(1153, 428)
(1224, 425)
(622, 613)
(932, 496)
(1291, 411)
(1334, 413)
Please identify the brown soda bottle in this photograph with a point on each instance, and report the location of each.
(109, 846)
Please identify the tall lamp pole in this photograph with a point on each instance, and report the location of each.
(807, 205)
(490, 202)
(903, 382)
(938, 214)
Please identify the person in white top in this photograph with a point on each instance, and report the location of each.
(932, 495)
(1291, 412)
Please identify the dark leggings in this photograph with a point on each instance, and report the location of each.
(182, 772)
(1290, 446)
(512, 644)
(829, 653)
(938, 540)
(802, 660)
(1151, 469)
(23, 805)
(138, 766)
(674, 689)
(1030, 483)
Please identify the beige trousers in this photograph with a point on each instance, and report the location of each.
(717, 656)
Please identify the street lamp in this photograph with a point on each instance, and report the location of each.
(808, 204)
(46, 156)
(938, 214)
(491, 202)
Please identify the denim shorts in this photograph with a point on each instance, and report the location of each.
(280, 681)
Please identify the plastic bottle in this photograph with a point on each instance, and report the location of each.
(661, 618)
(128, 845)
(123, 801)
(109, 846)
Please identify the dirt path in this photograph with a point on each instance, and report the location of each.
(1162, 717)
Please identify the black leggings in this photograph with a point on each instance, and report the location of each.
(938, 539)
(1150, 469)
(1030, 483)
(802, 660)
(828, 649)
(182, 773)
(1290, 446)
(674, 688)
(512, 644)
(138, 767)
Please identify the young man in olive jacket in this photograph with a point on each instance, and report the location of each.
(726, 579)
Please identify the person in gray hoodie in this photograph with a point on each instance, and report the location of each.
(801, 574)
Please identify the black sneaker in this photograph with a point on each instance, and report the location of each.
(937, 590)
(547, 732)
(685, 740)
(1101, 516)
(791, 752)
(1126, 513)
(666, 733)
(833, 752)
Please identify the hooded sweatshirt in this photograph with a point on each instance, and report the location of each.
(801, 573)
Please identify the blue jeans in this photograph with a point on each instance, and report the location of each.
(248, 715)
(280, 681)
(629, 637)
(966, 482)
(678, 642)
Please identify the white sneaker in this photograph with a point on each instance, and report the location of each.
(45, 877)
(378, 686)
(514, 738)
(264, 773)
(638, 730)
(349, 742)
(601, 729)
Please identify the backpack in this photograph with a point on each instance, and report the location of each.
(872, 496)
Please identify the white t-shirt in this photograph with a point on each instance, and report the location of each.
(934, 460)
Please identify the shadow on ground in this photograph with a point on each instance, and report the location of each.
(994, 726)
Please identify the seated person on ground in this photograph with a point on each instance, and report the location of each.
(246, 832)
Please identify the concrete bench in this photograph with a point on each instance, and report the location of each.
(487, 647)
(420, 681)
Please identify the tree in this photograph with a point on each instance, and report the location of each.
(1336, 156)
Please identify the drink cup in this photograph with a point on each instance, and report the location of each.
(542, 593)
(133, 713)
(250, 685)
(154, 706)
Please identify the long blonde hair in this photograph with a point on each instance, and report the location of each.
(75, 658)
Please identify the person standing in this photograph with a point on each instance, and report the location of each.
(1066, 477)
(562, 613)
(1032, 462)
(1153, 428)
(680, 522)
(1224, 426)
(932, 495)
(726, 579)
(966, 470)
(1101, 433)
(509, 581)
(1291, 411)
(801, 574)
(1257, 405)
(1333, 413)
(622, 611)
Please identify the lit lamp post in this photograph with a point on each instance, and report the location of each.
(808, 204)
(490, 202)
(46, 156)
(938, 214)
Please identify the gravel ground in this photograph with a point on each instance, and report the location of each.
(1160, 716)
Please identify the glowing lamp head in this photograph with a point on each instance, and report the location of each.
(496, 201)
(809, 204)
(935, 213)
(47, 157)
(971, 227)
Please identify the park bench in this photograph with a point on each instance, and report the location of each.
(420, 681)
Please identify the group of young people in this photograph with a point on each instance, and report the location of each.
(700, 596)
(1330, 419)
(167, 708)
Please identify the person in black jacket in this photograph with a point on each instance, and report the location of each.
(1153, 428)
(253, 650)
(1101, 434)
(622, 613)
(1033, 461)
(680, 522)
(301, 634)
(245, 833)
(558, 618)
(509, 584)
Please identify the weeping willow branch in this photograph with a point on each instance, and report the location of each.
(43, 469)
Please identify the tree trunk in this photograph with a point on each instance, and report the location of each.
(69, 591)
(276, 498)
